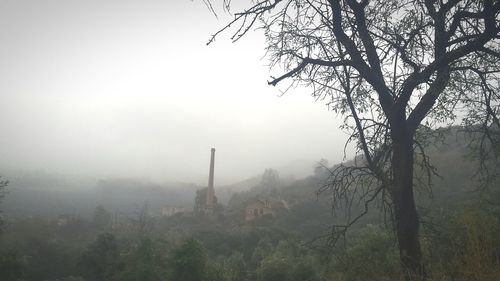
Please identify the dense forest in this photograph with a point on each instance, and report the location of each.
(293, 241)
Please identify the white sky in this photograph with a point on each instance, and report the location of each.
(128, 88)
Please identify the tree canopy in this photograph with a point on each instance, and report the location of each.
(394, 69)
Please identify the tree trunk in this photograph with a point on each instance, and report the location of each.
(405, 212)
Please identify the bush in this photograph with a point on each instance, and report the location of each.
(188, 262)
(372, 255)
(466, 246)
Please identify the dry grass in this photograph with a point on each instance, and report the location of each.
(474, 256)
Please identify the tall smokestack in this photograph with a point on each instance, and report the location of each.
(211, 191)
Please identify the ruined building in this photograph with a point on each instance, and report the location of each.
(261, 207)
(258, 208)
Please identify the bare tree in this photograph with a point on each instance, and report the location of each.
(142, 220)
(394, 69)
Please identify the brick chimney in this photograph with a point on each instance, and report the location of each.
(210, 190)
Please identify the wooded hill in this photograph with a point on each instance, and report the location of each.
(460, 235)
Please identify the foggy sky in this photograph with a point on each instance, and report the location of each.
(129, 89)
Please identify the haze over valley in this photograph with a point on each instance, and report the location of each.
(269, 140)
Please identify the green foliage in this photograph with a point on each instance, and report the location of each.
(200, 201)
(263, 249)
(304, 271)
(3, 192)
(69, 278)
(102, 218)
(274, 269)
(288, 261)
(11, 266)
(236, 267)
(465, 244)
(269, 183)
(145, 262)
(47, 253)
(461, 240)
(100, 260)
(372, 255)
(216, 270)
(188, 262)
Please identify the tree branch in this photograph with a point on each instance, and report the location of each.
(308, 61)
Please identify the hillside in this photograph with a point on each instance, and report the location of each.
(294, 238)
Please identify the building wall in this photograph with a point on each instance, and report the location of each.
(171, 210)
(257, 209)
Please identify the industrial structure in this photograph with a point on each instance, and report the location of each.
(210, 190)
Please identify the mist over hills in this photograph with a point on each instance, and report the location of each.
(49, 217)
(49, 195)
(74, 197)
(44, 194)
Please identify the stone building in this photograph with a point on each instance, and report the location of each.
(258, 208)
(169, 210)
